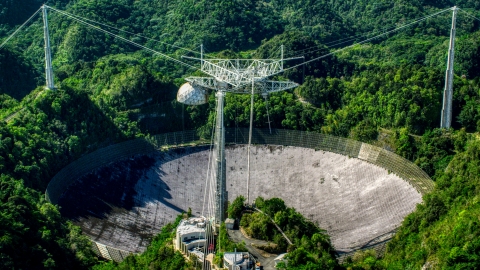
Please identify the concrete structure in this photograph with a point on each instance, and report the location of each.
(233, 76)
(218, 165)
(237, 261)
(358, 203)
(230, 223)
(280, 258)
(446, 116)
(191, 234)
(48, 54)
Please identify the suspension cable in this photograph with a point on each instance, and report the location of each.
(268, 115)
(347, 39)
(468, 14)
(208, 166)
(125, 31)
(19, 28)
(123, 39)
(364, 41)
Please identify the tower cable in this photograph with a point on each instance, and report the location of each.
(19, 28)
(347, 39)
(124, 31)
(122, 38)
(468, 14)
(364, 41)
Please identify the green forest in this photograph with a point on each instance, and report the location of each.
(387, 91)
(311, 247)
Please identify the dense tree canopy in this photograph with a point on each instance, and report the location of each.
(311, 247)
(387, 91)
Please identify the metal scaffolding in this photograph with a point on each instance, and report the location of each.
(48, 53)
(446, 119)
(238, 76)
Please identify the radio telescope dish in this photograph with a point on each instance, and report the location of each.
(192, 94)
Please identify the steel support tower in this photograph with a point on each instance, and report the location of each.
(220, 163)
(446, 119)
(48, 53)
(238, 76)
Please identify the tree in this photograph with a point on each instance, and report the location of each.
(272, 206)
(236, 207)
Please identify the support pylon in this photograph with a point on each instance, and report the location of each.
(250, 141)
(221, 182)
(446, 120)
(48, 53)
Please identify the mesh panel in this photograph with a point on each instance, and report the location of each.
(115, 254)
(95, 249)
(94, 160)
(108, 252)
(103, 251)
(124, 253)
(372, 154)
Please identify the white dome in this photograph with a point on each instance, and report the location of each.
(191, 95)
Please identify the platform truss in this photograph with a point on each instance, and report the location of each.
(237, 76)
(240, 72)
(260, 86)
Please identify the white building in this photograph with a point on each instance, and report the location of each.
(280, 258)
(191, 234)
(230, 223)
(237, 261)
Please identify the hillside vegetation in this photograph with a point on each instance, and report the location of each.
(311, 246)
(387, 91)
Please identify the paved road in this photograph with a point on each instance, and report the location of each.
(267, 262)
